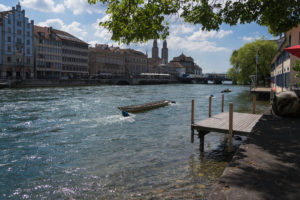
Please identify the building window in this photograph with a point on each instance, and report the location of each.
(290, 40)
(18, 23)
(28, 61)
(19, 32)
(19, 60)
(9, 30)
(9, 39)
(28, 42)
(19, 40)
(28, 50)
(19, 50)
(41, 42)
(9, 59)
(9, 48)
(28, 25)
(28, 33)
(9, 22)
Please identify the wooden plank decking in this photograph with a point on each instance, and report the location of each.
(261, 90)
(243, 123)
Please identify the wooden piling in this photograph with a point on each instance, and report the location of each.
(230, 126)
(222, 102)
(253, 104)
(201, 135)
(209, 110)
(192, 120)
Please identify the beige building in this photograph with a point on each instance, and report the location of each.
(105, 60)
(283, 77)
(191, 68)
(48, 53)
(175, 69)
(135, 62)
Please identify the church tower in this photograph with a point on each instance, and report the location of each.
(164, 53)
(155, 50)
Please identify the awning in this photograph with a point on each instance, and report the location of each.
(295, 50)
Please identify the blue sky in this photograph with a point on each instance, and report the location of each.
(210, 50)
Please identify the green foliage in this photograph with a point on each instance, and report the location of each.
(243, 61)
(139, 20)
(296, 67)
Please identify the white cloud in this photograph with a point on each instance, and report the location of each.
(175, 42)
(100, 32)
(204, 35)
(248, 39)
(4, 7)
(80, 6)
(179, 29)
(93, 43)
(75, 28)
(43, 5)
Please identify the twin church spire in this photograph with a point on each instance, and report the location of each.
(164, 52)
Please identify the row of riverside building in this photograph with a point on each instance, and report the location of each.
(283, 77)
(28, 51)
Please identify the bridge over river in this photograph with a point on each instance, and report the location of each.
(144, 81)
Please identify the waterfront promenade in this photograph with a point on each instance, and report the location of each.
(267, 166)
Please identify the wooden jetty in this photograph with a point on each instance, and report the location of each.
(224, 122)
(261, 92)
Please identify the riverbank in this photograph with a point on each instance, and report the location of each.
(267, 165)
(31, 83)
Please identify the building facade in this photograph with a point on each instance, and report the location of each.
(191, 68)
(16, 44)
(164, 53)
(283, 77)
(48, 53)
(106, 61)
(74, 56)
(135, 62)
(155, 50)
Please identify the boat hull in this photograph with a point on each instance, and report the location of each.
(145, 107)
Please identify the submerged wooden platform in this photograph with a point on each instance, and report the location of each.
(243, 123)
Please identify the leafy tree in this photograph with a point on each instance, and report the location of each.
(141, 20)
(296, 67)
(243, 61)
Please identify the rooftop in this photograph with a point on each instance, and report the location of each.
(48, 32)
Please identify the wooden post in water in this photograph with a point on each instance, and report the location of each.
(192, 120)
(230, 126)
(209, 109)
(222, 102)
(201, 136)
(253, 104)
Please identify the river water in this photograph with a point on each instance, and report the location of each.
(73, 143)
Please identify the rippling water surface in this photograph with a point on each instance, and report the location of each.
(73, 143)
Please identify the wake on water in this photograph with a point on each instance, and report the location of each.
(112, 119)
